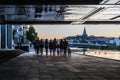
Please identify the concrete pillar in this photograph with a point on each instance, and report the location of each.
(0, 36)
(3, 36)
(6, 37)
(9, 36)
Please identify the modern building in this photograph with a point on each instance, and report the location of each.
(6, 35)
(20, 33)
(115, 41)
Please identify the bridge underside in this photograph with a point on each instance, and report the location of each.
(50, 2)
(60, 12)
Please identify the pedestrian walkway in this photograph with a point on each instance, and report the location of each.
(30, 66)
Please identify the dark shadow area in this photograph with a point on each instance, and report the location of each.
(6, 55)
(25, 48)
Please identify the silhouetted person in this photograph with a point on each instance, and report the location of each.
(69, 51)
(65, 46)
(54, 46)
(36, 45)
(61, 46)
(41, 46)
(58, 47)
(51, 46)
(84, 50)
(30, 45)
(46, 46)
(20, 41)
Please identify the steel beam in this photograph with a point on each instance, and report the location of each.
(102, 22)
(49, 2)
(115, 17)
(35, 22)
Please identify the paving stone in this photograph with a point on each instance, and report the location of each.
(5, 78)
(33, 79)
(46, 76)
(33, 76)
(77, 67)
(18, 79)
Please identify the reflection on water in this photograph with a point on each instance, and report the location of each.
(99, 53)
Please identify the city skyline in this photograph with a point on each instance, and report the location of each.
(61, 31)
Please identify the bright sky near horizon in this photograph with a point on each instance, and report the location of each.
(60, 31)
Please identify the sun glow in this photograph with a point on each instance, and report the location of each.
(60, 31)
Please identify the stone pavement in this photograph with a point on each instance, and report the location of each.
(29, 66)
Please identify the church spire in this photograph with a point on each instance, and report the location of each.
(84, 35)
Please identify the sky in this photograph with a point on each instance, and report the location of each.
(60, 31)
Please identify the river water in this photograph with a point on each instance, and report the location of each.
(99, 53)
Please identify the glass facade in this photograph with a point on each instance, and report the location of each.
(5, 36)
(9, 36)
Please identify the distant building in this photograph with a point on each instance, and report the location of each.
(98, 43)
(115, 41)
(84, 35)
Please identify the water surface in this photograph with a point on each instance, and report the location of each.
(99, 53)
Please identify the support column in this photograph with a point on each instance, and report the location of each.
(3, 36)
(9, 36)
(0, 36)
(6, 37)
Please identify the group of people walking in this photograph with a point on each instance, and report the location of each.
(55, 47)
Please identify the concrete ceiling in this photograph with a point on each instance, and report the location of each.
(106, 11)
